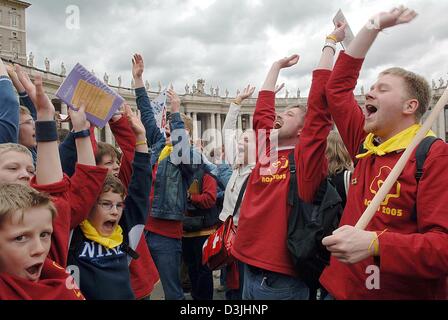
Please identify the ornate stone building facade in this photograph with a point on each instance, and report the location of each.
(13, 30)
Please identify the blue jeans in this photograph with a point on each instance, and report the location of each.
(167, 255)
(201, 277)
(262, 284)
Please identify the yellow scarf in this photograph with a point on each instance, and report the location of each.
(398, 142)
(166, 152)
(92, 234)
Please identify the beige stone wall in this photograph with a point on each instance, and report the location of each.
(12, 30)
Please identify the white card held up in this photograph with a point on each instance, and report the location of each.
(349, 36)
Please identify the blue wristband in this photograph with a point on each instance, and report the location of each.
(81, 134)
(46, 131)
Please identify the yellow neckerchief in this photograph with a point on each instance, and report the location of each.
(166, 152)
(92, 234)
(398, 142)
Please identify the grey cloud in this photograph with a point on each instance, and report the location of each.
(226, 43)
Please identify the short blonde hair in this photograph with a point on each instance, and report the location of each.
(416, 87)
(7, 147)
(188, 122)
(337, 155)
(24, 111)
(16, 198)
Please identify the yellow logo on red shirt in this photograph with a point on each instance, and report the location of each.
(273, 171)
(394, 193)
(378, 182)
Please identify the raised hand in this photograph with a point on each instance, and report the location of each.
(26, 83)
(339, 31)
(44, 107)
(79, 118)
(396, 16)
(288, 62)
(138, 66)
(174, 101)
(247, 93)
(136, 124)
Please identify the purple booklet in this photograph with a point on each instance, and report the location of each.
(81, 86)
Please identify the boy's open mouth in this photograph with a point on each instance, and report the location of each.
(34, 271)
(110, 225)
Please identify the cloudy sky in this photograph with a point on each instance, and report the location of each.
(229, 43)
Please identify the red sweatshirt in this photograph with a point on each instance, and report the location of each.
(312, 164)
(413, 258)
(73, 198)
(262, 226)
(51, 286)
(144, 274)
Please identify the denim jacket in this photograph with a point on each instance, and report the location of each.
(174, 173)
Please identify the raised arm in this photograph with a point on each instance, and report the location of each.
(137, 201)
(9, 109)
(84, 147)
(229, 129)
(153, 133)
(359, 47)
(265, 114)
(318, 123)
(125, 138)
(25, 99)
(343, 106)
(48, 168)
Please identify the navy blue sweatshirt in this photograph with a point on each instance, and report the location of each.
(9, 112)
(104, 273)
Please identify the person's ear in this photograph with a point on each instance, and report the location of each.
(410, 106)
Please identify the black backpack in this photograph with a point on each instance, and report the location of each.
(198, 218)
(309, 223)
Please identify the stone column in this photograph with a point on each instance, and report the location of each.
(240, 122)
(213, 121)
(251, 121)
(195, 126)
(213, 129)
(219, 129)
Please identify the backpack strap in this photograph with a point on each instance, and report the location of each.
(131, 252)
(420, 157)
(293, 188)
(240, 196)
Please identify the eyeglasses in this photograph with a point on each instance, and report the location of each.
(108, 206)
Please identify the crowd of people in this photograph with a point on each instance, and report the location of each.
(81, 219)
